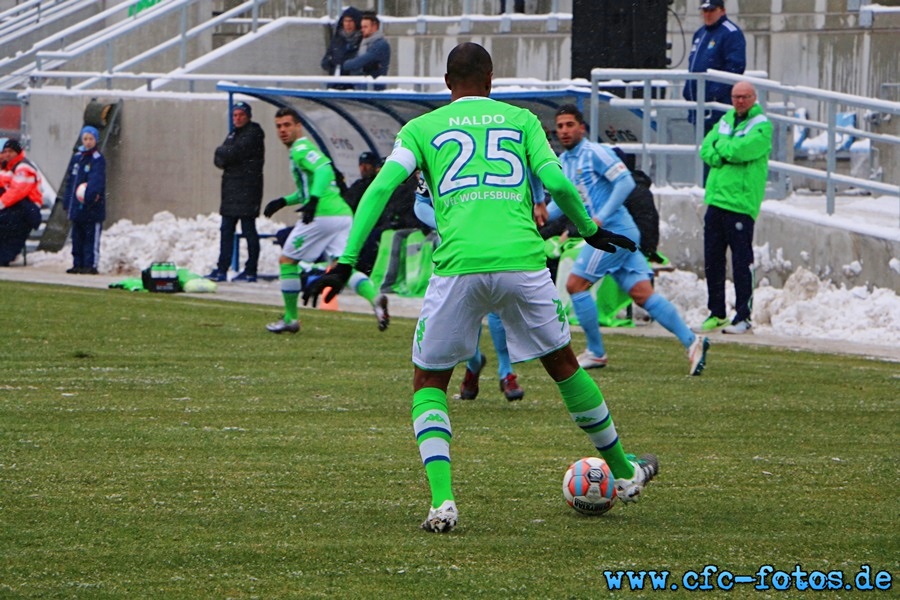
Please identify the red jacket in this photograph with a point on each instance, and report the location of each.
(25, 183)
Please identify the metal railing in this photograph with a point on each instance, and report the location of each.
(152, 81)
(19, 19)
(655, 149)
(45, 60)
(73, 36)
(333, 8)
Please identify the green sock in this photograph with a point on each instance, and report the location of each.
(585, 404)
(290, 290)
(431, 424)
(363, 286)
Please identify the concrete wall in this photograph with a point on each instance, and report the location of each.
(817, 43)
(782, 245)
(163, 157)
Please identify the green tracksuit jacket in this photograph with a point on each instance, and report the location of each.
(738, 156)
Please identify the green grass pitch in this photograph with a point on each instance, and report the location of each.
(164, 446)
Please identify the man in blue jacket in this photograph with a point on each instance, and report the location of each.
(374, 56)
(718, 45)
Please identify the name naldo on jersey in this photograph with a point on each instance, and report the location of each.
(478, 154)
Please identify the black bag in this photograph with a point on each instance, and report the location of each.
(643, 210)
(161, 277)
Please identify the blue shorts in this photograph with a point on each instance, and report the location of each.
(627, 268)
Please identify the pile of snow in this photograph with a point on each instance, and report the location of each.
(805, 307)
(126, 248)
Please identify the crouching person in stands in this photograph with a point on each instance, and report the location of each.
(20, 201)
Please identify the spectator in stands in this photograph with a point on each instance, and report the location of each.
(737, 152)
(344, 45)
(20, 201)
(241, 157)
(369, 163)
(87, 208)
(719, 44)
(374, 55)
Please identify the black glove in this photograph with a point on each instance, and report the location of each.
(274, 206)
(335, 279)
(308, 210)
(607, 241)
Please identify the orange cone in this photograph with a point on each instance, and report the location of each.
(323, 305)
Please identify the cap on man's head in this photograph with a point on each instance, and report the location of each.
(708, 4)
(244, 107)
(91, 130)
(369, 158)
(13, 145)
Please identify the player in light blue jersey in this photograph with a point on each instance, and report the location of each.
(604, 183)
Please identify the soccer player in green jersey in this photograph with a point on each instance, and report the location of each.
(323, 227)
(475, 154)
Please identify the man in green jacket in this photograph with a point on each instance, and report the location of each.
(737, 152)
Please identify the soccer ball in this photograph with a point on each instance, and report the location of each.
(589, 487)
(79, 192)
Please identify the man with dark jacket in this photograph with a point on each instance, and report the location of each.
(369, 163)
(719, 44)
(344, 45)
(241, 157)
(20, 201)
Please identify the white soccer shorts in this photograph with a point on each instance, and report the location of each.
(454, 307)
(307, 242)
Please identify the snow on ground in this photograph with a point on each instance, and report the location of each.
(805, 307)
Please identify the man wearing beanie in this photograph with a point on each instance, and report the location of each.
(85, 202)
(20, 201)
(241, 157)
(369, 163)
(719, 44)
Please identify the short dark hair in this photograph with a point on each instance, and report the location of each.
(370, 15)
(570, 109)
(469, 62)
(288, 111)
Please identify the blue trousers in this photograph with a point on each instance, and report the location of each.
(86, 244)
(723, 230)
(16, 223)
